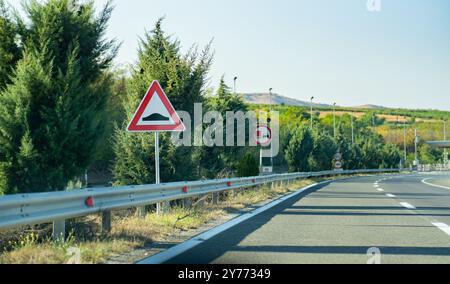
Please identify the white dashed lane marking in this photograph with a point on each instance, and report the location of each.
(407, 205)
(443, 227)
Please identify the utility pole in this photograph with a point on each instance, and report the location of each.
(312, 122)
(334, 120)
(269, 121)
(416, 141)
(353, 130)
(270, 114)
(445, 139)
(404, 141)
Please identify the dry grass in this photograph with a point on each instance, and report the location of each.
(249, 197)
(130, 232)
(157, 227)
(49, 252)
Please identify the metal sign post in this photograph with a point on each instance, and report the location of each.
(264, 139)
(154, 114)
(157, 173)
(160, 207)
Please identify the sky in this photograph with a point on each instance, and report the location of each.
(335, 50)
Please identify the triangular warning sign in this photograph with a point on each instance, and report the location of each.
(156, 113)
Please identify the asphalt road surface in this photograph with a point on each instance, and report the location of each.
(405, 218)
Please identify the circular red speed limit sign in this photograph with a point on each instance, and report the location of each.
(263, 135)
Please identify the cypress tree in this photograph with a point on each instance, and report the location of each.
(9, 49)
(248, 166)
(53, 114)
(299, 149)
(225, 101)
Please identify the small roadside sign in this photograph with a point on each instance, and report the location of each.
(338, 164)
(267, 170)
(263, 135)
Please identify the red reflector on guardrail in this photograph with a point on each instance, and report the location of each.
(229, 183)
(89, 202)
(185, 189)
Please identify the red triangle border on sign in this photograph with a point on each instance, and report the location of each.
(155, 87)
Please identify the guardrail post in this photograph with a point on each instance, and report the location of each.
(162, 208)
(187, 202)
(201, 202)
(59, 230)
(142, 212)
(215, 198)
(106, 222)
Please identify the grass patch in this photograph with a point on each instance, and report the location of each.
(49, 252)
(253, 196)
(157, 227)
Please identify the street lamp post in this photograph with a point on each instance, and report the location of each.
(235, 79)
(416, 141)
(353, 130)
(445, 139)
(404, 141)
(270, 113)
(270, 99)
(445, 130)
(334, 120)
(268, 121)
(312, 122)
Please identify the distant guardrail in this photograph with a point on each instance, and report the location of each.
(37, 208)
(432, 168)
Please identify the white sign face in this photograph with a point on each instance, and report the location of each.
(263, 135)
(155, 113)
(267, 170)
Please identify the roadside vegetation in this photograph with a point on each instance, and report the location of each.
(64, 109)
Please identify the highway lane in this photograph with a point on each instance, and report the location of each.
(338, 223)
(429, 196)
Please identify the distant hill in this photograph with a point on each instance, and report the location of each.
(264, 99)
(371, 107)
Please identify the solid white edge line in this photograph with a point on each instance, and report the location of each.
(424, 181)
(407, 205)
(443, 227)
(197, 240)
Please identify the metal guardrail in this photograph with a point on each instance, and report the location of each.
(29, 209)
(434, 168)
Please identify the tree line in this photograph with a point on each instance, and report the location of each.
(64, 108)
